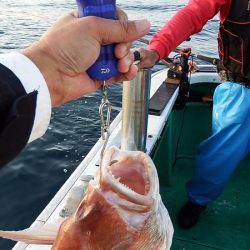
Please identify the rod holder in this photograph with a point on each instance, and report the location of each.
(135, 105)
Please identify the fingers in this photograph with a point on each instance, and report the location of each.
(148, 58)
(121, 15)
(118, 31)
(143, 57)
(130, 75)
(144, 62)
(125, 56)
(122, 49)
(125, 62)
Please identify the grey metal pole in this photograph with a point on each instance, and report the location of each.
(135, 104)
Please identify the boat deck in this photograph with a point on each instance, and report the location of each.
(226, 222)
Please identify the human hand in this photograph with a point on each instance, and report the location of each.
(148, 58)
(72, 45)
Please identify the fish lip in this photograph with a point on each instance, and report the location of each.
(131, 195)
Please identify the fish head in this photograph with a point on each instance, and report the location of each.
(116, 206)
(131, 175)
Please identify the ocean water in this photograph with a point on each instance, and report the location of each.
(29, 182)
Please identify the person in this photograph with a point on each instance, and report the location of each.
(229, 143)
(52, 71)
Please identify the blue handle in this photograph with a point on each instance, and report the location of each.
(105, 66)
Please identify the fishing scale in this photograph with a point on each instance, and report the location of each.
(105, 66)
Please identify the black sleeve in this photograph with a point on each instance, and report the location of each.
(17, 114)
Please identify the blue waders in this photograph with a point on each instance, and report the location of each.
(220, 154)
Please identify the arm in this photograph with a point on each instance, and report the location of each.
(25, 105)
(53, 71)
(185, 23)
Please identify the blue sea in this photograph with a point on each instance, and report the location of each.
(29, 182)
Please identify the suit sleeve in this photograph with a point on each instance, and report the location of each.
(185, 23)
(25, 105)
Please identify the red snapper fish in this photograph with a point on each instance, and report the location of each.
(121, 209)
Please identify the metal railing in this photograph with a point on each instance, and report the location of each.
(135, 104)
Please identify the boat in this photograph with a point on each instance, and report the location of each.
(177, 123)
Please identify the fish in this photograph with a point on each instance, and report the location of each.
(121, 209)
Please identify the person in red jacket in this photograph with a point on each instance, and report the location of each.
(229, 143)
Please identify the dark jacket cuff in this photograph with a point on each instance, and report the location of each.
(17, 114)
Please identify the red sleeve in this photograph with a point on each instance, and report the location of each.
(185, 23)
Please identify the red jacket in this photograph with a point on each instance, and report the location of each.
(187, 22)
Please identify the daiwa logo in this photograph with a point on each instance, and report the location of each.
(105, 71)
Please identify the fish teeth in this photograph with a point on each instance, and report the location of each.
(118, 179)
(127, 186)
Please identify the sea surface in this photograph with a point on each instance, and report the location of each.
(29, 182)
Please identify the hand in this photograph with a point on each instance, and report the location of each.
(72, 45)
(148, 58)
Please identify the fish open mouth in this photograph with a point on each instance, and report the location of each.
(132, 173)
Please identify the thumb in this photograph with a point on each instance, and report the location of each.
(119, 31)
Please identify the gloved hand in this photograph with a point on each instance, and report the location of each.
(72, 45)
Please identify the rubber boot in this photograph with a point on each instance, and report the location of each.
(190, 214)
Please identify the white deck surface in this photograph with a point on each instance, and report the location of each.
(50, 214)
